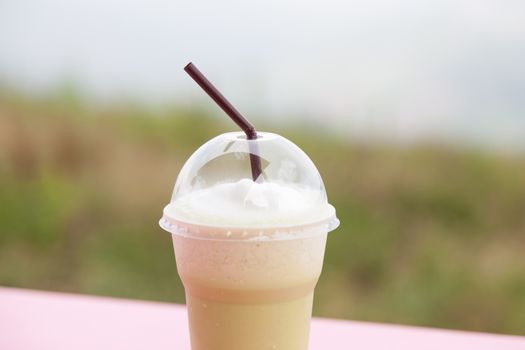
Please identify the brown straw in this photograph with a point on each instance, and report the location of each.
(235, 115)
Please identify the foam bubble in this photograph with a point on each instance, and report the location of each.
(246, 203)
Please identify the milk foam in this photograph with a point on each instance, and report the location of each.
(248, 204)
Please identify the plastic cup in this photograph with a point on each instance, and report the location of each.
(249, 253)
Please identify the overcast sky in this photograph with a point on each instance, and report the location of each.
(402, 69)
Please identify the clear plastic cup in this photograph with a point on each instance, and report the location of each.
(249, 253)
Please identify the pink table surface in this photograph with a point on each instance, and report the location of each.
(48, 320)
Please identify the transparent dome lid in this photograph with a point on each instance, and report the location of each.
(216, 197)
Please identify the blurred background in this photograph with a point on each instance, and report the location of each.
(414, 113)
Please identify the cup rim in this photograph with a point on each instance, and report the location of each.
(189, 229)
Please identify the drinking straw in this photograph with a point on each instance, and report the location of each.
(232, 112)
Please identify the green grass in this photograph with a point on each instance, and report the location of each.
(429, 235)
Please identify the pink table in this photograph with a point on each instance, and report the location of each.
(54, 321)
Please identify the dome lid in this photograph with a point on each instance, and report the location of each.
(215, 197)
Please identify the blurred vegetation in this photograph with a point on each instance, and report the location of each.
(429, 235)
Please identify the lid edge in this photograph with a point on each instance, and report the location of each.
(220, 232)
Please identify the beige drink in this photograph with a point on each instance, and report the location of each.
(258, 294)
(249, 253)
